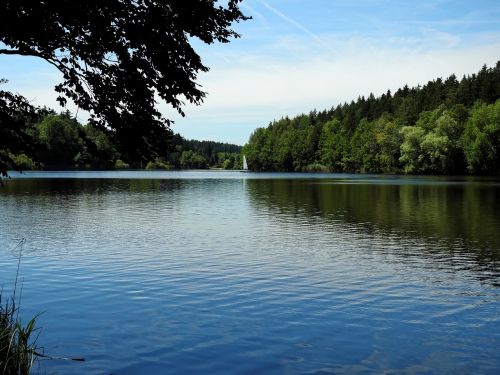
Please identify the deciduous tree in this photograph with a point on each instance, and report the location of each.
(118, 58)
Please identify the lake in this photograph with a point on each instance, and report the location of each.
(144, 272)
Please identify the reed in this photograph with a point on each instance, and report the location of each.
(17, 341)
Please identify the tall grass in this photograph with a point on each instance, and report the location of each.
(17, 341)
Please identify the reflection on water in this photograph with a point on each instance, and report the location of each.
(466, 216)
(257, 273)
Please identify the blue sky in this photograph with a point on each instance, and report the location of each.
(297, 55)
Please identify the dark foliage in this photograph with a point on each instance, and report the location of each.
(63, 143)
(194, 154)
(118, 56)
(210, 150)
(16, 114)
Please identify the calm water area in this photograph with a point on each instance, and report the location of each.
(144, 272)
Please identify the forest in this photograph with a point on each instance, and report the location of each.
(61, 142)
(447, 126)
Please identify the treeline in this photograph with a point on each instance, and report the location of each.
(59, 141)
(197, 154)
(444, 127)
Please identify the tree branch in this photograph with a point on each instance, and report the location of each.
(18, 52)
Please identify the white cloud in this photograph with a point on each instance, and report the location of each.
(255, 93)
(293, 75)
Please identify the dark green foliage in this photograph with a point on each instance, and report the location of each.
(204, 154)
(256, 150)
(117, 57)
(59, 139)
(193, 160)
(62, 143)
(98, 150)
(16, 116)
(229, 160)
(120, 164)
(23, 162)
(158, 164)
(333, 145)
(434, 129)
(286, 145)
(481, 140)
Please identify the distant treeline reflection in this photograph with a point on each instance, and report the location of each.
(467, 212)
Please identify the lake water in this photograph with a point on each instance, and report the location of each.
(242, 273)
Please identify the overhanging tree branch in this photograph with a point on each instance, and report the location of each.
(115, 56)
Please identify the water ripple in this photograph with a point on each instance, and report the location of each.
(235, 275)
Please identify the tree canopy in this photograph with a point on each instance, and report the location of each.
(59, 141)
(15, 115)
(117, 59)
(444, 127)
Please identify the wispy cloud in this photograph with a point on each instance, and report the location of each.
(444, 39)
(253, 12)
(296, 24)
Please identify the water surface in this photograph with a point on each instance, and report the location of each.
(229, 272)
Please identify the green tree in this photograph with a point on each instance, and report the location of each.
(103, 152)
(450, 126)
(481, 140)
(408, 110)
(192, 160)
(333, 145)
(434, 153)
(59, 137)
(410, 148)
(434, 143)
(364, 149)
(255, 152)
(16, 116)
(388, 137)
(368, 134)
(117, 57)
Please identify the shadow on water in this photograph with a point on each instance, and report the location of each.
(456, 218)
(75, 186)
(465, 214)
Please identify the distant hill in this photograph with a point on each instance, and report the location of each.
(447, 126)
